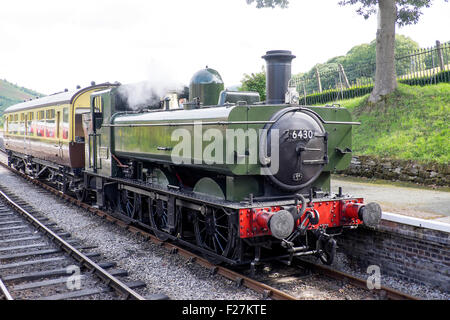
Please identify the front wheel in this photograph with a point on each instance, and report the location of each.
(214, 232)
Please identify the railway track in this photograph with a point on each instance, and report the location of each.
(305, 272)
(239, 278)
(40, 261)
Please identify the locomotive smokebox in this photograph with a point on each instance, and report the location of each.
(278, 74)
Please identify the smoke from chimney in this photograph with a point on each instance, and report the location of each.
(149, 93)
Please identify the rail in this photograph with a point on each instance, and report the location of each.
(112, 281)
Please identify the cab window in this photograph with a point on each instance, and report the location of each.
(98, 104)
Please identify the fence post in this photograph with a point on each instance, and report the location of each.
(319, 83)
(344, 76)
(304, 91)
(440, 56)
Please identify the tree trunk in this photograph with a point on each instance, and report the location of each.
(385, 75)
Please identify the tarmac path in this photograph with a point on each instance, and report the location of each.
(419, 202)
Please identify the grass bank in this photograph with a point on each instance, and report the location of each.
(412, 123)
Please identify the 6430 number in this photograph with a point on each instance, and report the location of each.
(301, 134)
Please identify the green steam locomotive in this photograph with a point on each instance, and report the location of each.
(235, 178)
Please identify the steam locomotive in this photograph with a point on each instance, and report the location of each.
(235, 178)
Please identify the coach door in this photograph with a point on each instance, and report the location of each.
(23, 132)
(29, 118)
(59, 134)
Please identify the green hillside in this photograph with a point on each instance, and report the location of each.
(11, 94)
(412, 123)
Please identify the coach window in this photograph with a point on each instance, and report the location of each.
(22, 124)
(16, 124)
(9, 123)
(50, 127)
(30, 124)
(40, 123)
(65, 123)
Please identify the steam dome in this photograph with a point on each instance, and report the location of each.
(206, 85)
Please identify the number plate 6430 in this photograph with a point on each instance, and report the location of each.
(301, 134)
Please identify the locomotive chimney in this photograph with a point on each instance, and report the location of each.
(278, 75)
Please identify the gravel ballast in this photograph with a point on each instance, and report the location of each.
(166, 273)
(163, 273)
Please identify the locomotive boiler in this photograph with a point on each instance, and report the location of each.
(240, 180)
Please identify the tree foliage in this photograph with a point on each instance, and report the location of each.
(269, 3)
(255, 82)
(408, 11)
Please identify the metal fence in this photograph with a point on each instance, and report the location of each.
(333, 82)
(425, 66)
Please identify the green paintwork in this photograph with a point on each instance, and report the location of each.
(339, 136)
(239, 187)
(209, 187)
(261, 113)
(323, 182)
(154, 143)
(99, 146)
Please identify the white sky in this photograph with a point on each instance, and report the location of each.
(49, 45)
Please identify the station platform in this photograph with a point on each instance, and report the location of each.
(401, 202)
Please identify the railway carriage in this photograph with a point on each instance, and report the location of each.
(227, 175)
(44, 137)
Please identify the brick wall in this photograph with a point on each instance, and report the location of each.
(403, 251)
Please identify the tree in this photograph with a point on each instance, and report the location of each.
(390, 12)
(255, 82)
(402, 12)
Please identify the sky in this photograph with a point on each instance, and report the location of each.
(49, 45)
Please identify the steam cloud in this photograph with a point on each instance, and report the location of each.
(148, 93)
